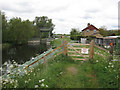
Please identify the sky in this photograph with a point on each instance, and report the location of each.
(65, 14)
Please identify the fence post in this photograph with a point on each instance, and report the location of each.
(65, 48)
(91, 53)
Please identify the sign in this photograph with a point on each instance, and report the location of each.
(84, 51)
(83, 40)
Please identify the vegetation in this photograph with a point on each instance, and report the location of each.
(73, 34)
(63, 72)
(43, 23)
(18, 31)
(105, 32)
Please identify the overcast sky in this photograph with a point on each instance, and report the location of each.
(66, 14)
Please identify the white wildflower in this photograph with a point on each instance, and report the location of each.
(110, 63)
(29, 79)
(0, 68)
(11, 81)
(16, 64)
(19, 70)
(16, 81)
(11, 66)
(26, 81)
(112, 66)
(43, 79)
(46, 85)
(4, 83)
(34, 74)
(6, 80)
(32, 58)
(96, 60)
(105, 67)
(36, 86)
(42, 84)
(5, 63)
(40, 81)
(108, 66)
(61, 72)
(15, 86)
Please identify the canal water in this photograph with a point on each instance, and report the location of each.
(23, 53)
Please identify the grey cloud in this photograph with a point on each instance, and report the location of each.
(62, 20)
(92, 10)
(87, 16)
(17, 8)
(54, 9)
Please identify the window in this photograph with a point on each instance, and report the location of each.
(94, 31)
(88, 30)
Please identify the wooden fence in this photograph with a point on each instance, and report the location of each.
(64, 51)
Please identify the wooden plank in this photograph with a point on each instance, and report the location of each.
(58, 54)
(72, 51)
(77, 47)
(75, 50)
(79, 58)
(78, 44)
(101, 48)
(79, 55)
(99, 54)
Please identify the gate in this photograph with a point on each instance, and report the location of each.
(81, 51)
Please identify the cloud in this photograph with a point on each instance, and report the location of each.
(66, 14)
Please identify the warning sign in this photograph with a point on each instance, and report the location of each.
(84, 51)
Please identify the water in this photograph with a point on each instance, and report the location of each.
(23, 53)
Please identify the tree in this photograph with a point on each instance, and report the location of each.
(43, 23)
(73, 33)
(4, 27)
(103, 31)
(20, 31)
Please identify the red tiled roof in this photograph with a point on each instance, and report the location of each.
(90, 27)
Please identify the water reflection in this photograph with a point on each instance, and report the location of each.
(23, 53)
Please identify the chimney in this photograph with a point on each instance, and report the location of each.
(88, 24)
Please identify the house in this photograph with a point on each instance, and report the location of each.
(91, 30)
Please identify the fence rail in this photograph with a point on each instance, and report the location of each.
(43, 57)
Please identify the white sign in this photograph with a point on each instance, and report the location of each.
(83, 40)
(84, 51)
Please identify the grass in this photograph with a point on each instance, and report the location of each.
(58, 42)
(60, 72)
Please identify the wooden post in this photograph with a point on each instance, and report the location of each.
(65, 48)
(91, 53)
(27, 69)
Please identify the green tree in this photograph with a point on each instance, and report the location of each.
(4, 27)
(43, 23)
(73, 33)
(20, 31)
(103, 31)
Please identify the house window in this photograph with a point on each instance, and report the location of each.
(88, 30)
(94, 31)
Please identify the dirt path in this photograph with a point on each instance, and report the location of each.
(72, 70)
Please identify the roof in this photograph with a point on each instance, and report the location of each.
(111, 37)
(90, 27)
